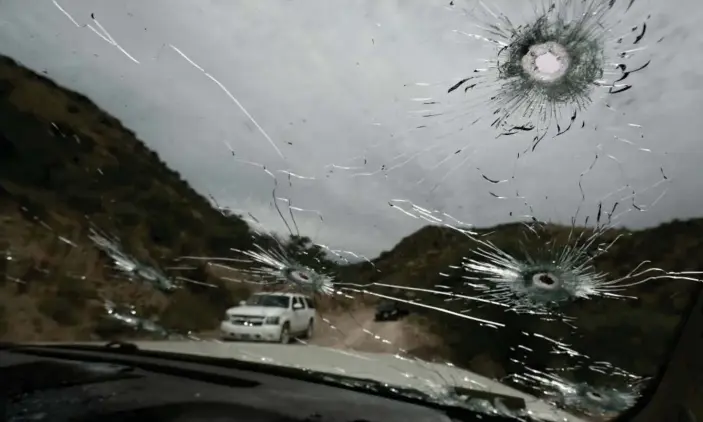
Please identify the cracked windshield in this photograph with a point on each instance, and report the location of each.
(447, 197)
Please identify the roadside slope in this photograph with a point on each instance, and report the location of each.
(356, 330)
(65, 167)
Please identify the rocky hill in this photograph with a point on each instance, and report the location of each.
(66, 167)
(633, 332)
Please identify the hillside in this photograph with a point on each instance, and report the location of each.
(631, 333)
(67, 167)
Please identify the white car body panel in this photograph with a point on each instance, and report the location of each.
(249, 322)
(431, 378)
(387, 368)
(256, 311)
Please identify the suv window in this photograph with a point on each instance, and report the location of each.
(274, 301)
(309, 302)
(298, 299)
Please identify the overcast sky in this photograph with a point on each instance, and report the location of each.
(334, 86)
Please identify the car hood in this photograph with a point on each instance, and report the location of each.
(430, 378)
(256, 311)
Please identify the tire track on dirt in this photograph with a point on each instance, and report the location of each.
(357, 330)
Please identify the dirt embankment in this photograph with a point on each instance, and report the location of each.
(357, 330)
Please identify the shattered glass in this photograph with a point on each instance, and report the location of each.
(468, 196)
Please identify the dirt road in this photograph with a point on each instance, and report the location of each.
(357, 330)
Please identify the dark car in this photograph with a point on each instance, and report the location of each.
(390, 311)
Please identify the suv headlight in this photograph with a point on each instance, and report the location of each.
(272, 320)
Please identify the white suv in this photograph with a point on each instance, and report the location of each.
(270, 317)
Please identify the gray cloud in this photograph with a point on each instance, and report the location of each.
(333, 84)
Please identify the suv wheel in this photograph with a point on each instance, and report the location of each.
(309, 331)
(285, 334)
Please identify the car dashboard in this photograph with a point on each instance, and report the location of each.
(60, 385)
